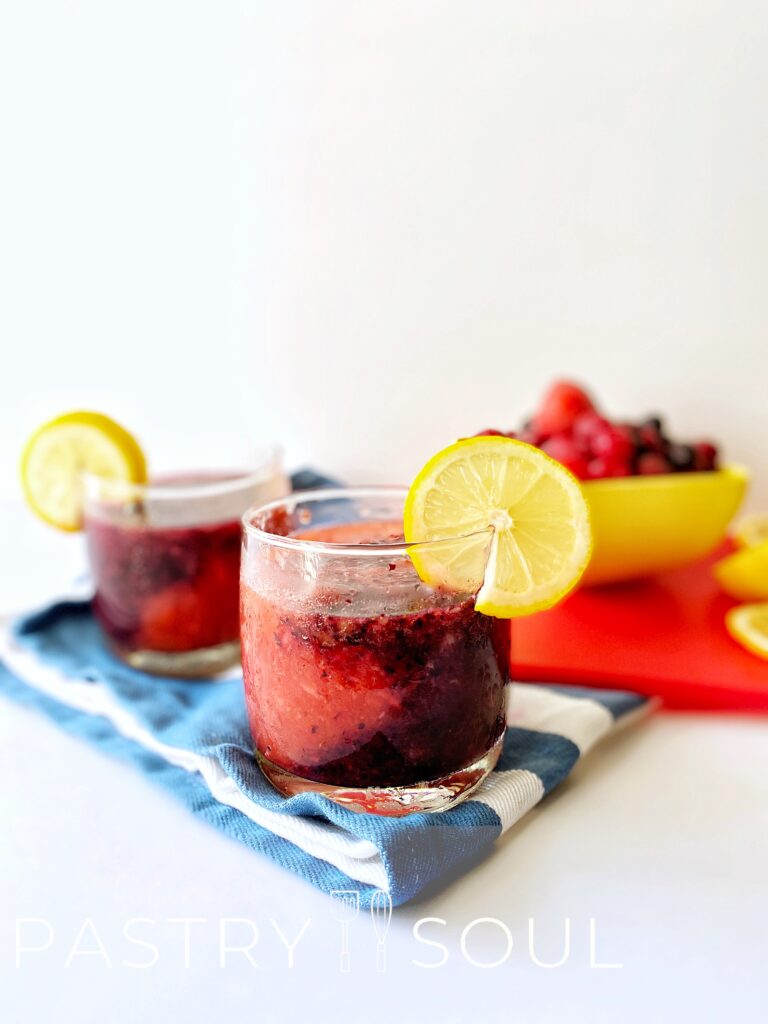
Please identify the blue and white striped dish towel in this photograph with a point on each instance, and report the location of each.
(193, 738)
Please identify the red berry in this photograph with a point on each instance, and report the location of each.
(614, 444)
(651, 435)
(704, 456)
(586, 426)
(563, 448)
(597, 469)
(531, 435)
(652, 463)
(561, 404)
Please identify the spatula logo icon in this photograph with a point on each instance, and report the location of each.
(381, 914)
(345, 906)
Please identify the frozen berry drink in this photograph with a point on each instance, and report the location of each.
(165, 562)
(361, 682)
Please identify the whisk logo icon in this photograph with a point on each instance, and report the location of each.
(381, 915)
(345, 906)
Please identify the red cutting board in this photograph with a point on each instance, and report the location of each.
(664, 637)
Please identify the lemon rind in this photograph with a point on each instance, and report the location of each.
(491, 599)
(129, 455)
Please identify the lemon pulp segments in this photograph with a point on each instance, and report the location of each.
(512, 525)
(62, 449)
(748, 624)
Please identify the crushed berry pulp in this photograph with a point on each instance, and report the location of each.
(382, 700)
(170, 589)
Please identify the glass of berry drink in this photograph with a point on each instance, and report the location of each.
(165, 561)
(361, 682)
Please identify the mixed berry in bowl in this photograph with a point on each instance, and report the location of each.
(570, 427)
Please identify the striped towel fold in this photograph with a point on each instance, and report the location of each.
(194, 739)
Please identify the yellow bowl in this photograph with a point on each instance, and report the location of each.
(643, 525)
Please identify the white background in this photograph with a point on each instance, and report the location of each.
(367, 228)
(364, 229)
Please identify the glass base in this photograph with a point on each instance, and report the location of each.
(394, 801)
(200, 664)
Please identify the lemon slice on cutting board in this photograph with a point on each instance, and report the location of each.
(512, 525)
(61, 450)
(751, 530)
(744, 575)
(748, 624)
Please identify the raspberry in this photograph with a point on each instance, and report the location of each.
(614, 444)
(562, 403)
(597, 469)
(587, 426)
(563, 448)
(652, 463)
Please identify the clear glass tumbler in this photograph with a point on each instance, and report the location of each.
(362, 682)
(165, 561)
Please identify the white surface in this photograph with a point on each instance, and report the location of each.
(660, 836)
(367, 228)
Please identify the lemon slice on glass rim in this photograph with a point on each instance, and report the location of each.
(60, 451)
(513, 523)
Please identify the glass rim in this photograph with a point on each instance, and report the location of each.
(333, 547)
(268, 466)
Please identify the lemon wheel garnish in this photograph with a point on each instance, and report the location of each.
(748, 624)
(751, 530)
(61, 450)
(513, 525)
(744, 575)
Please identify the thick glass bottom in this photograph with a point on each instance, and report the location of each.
(394, 801)
(199, 664)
